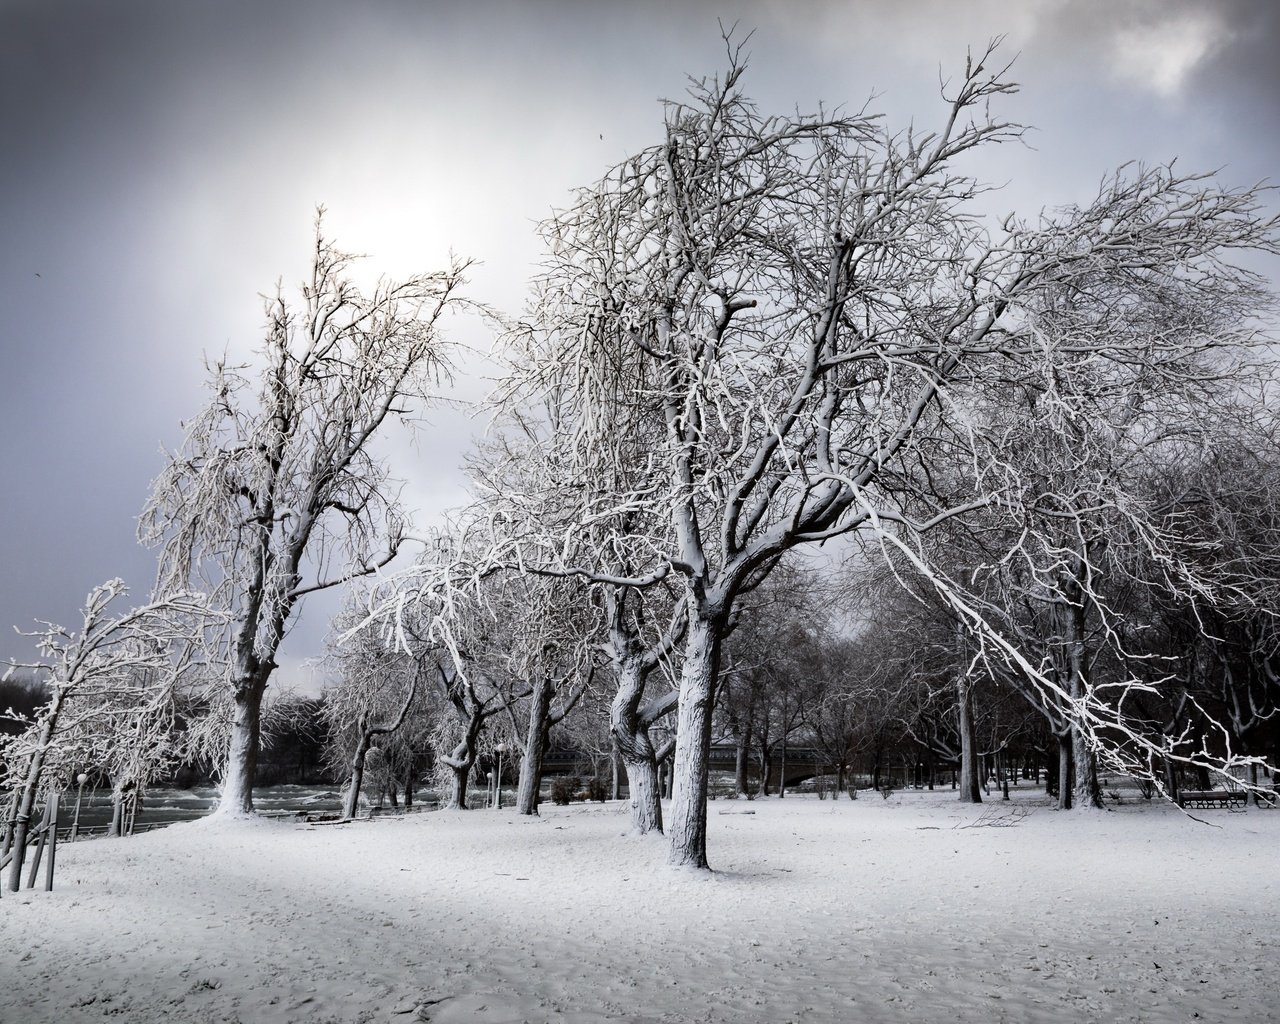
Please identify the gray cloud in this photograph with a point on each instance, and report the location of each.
(162, 160)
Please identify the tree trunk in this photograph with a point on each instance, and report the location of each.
(968, 784)
(1088, 794)
(630, 718)
(246, 736)
(352, 799)
(31, 787)
(408, 783)
(643, 783)
(634, 746)
(535, 748)
(741, 760)
(471, 716)
(460, 763)
(1066, 783)
(121, 793)
(782, 764)
(688, 828)
(766, 768)
(457, 800)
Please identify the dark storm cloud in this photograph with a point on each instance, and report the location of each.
(1231, 89)
(1247, 72)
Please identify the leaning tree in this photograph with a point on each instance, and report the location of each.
(277, 491)
(111, 686)
(1128, 371)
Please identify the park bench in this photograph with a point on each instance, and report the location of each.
(1211, 797)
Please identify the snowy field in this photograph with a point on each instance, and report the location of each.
(868, 911)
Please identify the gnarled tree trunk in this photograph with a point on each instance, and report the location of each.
(460, 763)
(630, 717)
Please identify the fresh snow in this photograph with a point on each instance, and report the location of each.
(911, 909)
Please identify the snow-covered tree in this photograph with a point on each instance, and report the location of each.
(805, 304)
(111, 687)
(376, 692)
(551, 640)
(277, 491)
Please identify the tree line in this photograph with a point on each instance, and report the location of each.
(1036, 453)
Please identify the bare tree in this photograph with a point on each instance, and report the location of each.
(474, 700)
(775, 670)
(542, 512)
(276, 492)
(806, 305)
(778, 282)
(1137, 355)
(637, 658)
(111, 691)
(1222, 504)
(376, 689)
(366, 732)
(452, 607)
(545, 656)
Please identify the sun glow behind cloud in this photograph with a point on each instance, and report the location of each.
(1162, 53)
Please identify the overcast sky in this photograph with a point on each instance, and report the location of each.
(160, 163)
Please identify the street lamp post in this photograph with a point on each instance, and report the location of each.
(501, 748)
(489, 787)
(81, 779)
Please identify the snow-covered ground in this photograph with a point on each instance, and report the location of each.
(869, 911)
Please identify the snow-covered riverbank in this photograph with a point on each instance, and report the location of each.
(818, 911)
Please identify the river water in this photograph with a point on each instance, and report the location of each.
(166, 806)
